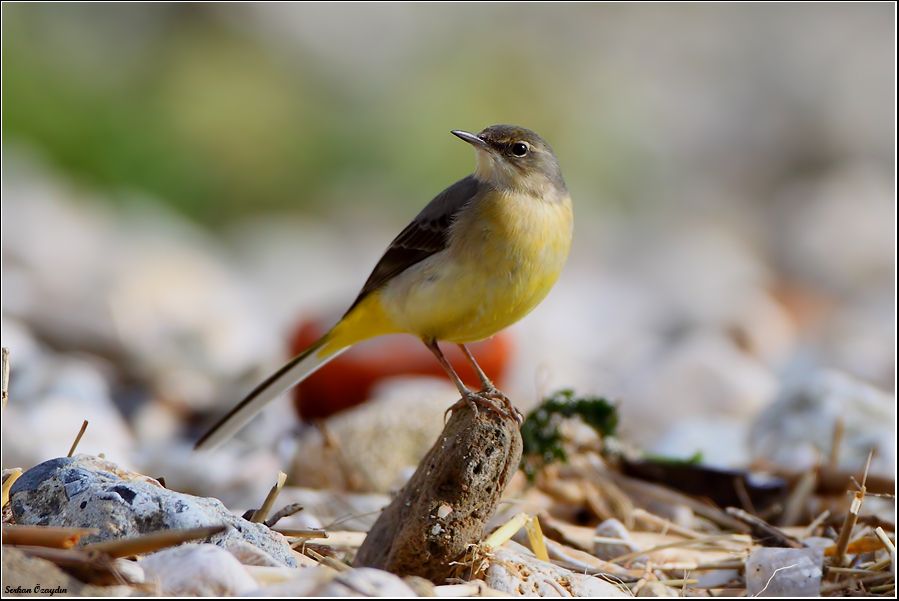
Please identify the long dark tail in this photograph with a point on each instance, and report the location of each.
(295, 371)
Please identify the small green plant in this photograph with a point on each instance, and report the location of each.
(542, 441)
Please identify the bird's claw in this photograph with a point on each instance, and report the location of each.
(487, 398)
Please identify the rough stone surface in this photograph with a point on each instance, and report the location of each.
(89, 492)
(519, 573)
(250, 555)
(773, 572)
(445, 505)
(197, 570)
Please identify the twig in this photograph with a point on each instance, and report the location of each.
(853, 571)
(888, 544)
(535, 537)
(681, 543)
(838, 586)
(302, 532)
(670, 496)
(678, 582)
(863, 544)
(505, 532)
(722, 565)
(325, 560)
(852, 516)
(743, 495)
(126, 547)
(284, 512)
(810, 529)
(665, 525)
(77, 439)
(836, 442)
(4, 375)
(768, 535)
(10, 480)
(260, 514)
(795, 505)
(44, 536)
(95, 568)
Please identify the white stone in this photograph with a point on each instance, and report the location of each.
(773, 572)
(197, 570)
(519, 573)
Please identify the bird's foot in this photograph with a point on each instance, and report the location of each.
(509, 410)
(487, 399)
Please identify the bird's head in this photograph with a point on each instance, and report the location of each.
(515, 159)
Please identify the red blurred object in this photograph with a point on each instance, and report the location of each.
(348, 379)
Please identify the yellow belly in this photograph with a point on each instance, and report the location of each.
(504, 257)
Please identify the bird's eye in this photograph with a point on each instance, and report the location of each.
(520, 149)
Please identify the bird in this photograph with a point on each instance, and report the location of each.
(476, 259)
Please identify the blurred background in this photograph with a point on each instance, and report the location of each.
(189, 188)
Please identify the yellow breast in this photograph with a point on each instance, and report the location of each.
(505, 255)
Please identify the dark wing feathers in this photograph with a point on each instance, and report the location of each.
(428, 234)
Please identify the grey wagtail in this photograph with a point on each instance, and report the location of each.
(479, 257)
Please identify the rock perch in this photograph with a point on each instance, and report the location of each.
(443, 508)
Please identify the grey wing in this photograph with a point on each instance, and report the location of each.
(426, 235)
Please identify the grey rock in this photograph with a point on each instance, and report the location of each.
(772, 572)
(89, 492)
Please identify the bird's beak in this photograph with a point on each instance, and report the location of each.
(471, 139)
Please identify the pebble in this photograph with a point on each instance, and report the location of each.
(773, 572)
(199, 570)
(612, 528)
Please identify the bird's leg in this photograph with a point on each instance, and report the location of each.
(473, 399)
(485, 381)
(489, 390)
